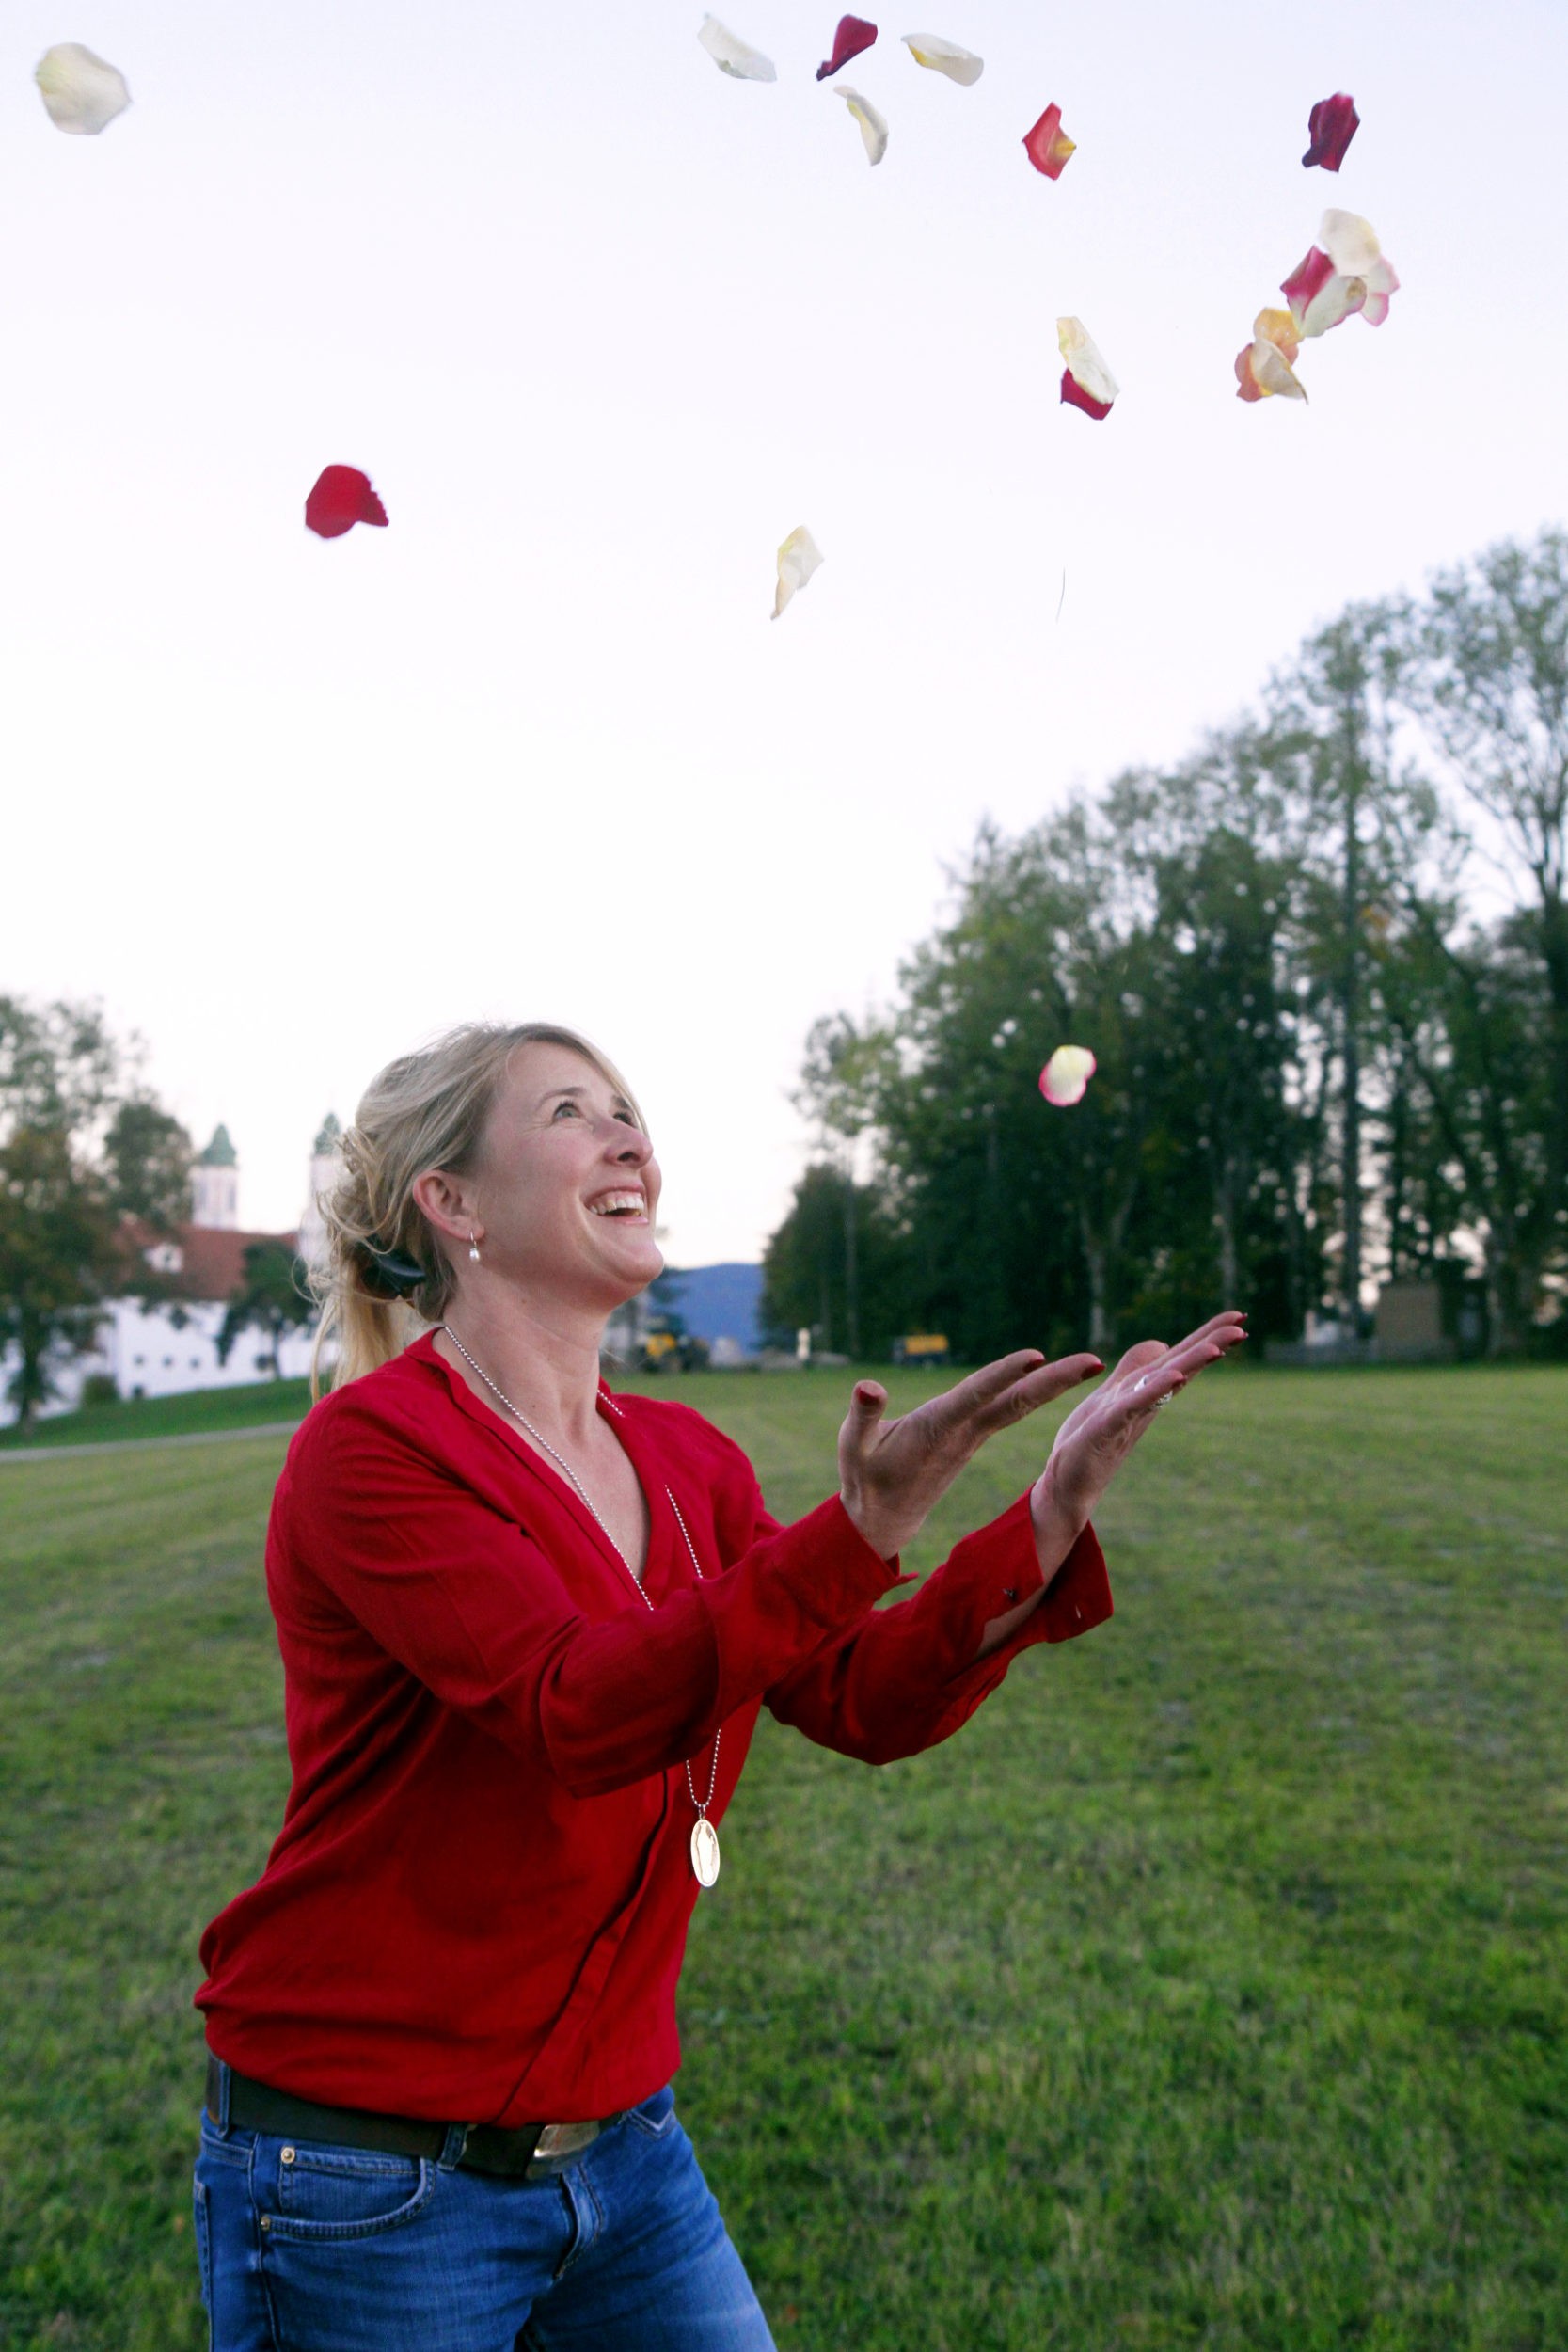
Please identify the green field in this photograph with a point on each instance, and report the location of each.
(193, 1412)
(1209, 1989)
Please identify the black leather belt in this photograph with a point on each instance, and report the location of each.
(530, 2152)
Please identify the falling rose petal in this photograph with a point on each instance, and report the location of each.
(80, 91)
(1046, 145)
(1320, 295)
(853, 35)
(1066, 1076)
(1380, 282)
(799, 557)
(341, 497)
(1086, 381)
(735, 57)
(1076, 397)
(873, 129)
(1263, 369)
(945, 57)
(1330, 128)
(1350, 243)
(1306, 281)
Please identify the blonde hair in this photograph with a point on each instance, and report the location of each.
(428, 1109)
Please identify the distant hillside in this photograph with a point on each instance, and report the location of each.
(713, 1301)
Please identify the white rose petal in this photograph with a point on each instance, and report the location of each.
(799, 557)
(873, 129)
(1066, 1076)
(80, 91)
(945, 57)
(735, 57)
(1084, 365)
(1350, 243)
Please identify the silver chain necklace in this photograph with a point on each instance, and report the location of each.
(704, 1837)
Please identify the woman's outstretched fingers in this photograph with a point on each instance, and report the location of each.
(1036, 1388)
(1139, 1356)
(867, 1404)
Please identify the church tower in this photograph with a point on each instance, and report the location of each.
(215, 1186)
(326, 1162)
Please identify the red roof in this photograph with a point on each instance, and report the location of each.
(211, 1260)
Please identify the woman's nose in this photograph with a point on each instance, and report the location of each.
(632, 1146)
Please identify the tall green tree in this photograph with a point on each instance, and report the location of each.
(272, 1298)
(83, 1148)
(1365, 827)
(806, 1268)
(1486, 680)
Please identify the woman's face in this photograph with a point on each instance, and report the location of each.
(566, 1183)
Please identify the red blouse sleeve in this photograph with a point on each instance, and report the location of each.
(903, 1678)
(372, 1538)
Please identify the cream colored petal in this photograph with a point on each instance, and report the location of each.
(873, 129)
(1350, 243)
(945, 57)
(799, 557)
(1084, 362)
(1066, 1076)
(80, 91)
(1339, 299)
(735, 57)
(1272, 373)
(1381, 282)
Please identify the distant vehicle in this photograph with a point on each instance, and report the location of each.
(666, 1351)
(922, 1347)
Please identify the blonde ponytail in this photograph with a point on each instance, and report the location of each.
(383, 1277)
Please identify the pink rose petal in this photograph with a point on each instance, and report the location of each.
(853, 35)
(1046, 147)
(1088, 382)
(1380, 282)
(1320, 295)
(1066, 1076)
(1073, 392)
(1330, 128)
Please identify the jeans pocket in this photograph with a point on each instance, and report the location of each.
(655, 2114)
(346, 2192)
(203, 2252)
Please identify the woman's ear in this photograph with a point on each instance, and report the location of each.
(445, 1202)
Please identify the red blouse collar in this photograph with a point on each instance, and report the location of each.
(633, 1439)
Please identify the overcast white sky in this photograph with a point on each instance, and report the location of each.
(604, 326)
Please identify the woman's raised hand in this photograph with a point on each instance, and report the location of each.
(891, 1473)
(1098, 1435)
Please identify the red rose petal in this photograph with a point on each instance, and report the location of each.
(1331, 126)
(1072, 391)
(342, 497)
(1045, 147)
(853, 35)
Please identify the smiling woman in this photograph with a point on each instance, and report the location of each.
(526, 1630)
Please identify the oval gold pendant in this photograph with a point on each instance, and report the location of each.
(705, 1851)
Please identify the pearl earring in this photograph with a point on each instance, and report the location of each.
(473, 1250)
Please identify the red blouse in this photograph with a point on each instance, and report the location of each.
(476, 1908)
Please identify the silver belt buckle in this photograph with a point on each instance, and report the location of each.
(557, 2141)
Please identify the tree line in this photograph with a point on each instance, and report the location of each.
(1323, 963)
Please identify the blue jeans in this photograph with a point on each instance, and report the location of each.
(343, 2251)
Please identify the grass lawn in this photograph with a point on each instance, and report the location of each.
(1209, 1989)
(192, 1411)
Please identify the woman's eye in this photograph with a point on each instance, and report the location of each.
(565, 1106)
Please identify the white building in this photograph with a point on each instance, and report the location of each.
(159, 1348)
